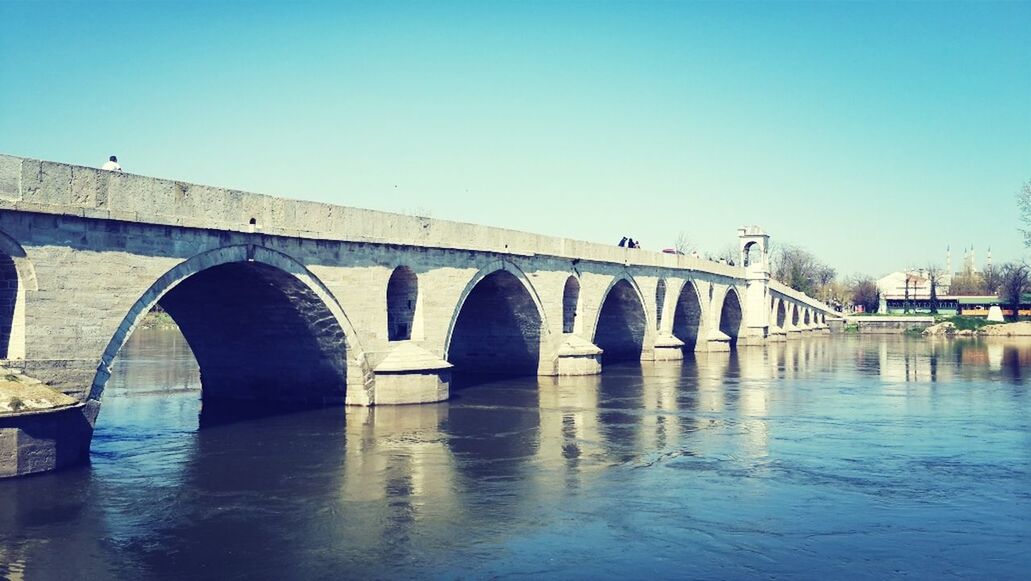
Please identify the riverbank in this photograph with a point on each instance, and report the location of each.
(157, 319)
(949, 328)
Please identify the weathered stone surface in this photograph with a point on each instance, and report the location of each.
(287, 300)
(20, 394)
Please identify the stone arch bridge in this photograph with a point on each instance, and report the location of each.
(298, 301)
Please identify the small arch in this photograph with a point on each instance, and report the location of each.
(730, 316)
(620, 329)
(402, 303)
(660, 301)
(805, 319)
(687, 316)
(794, 315)
(781, 314)
(746, 253)
(570, 303)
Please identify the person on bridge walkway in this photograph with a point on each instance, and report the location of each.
(622, 242)
(112, 164)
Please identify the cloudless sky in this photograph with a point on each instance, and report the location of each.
(873, 134)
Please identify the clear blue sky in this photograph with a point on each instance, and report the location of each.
(874, 134)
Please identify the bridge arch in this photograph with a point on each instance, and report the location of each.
(570, 304)
(781, 315)
(402, 304)
(794, 315)
(660, 302)
(498, 324)
(687, 315)
(16, 277)
(805, 318)
(622, 322)
(260, 324)
(731, 315)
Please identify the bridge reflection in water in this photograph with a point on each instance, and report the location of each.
(723, 464)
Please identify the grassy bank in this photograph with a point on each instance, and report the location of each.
(157, 319)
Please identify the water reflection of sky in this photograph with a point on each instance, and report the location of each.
(824, 457)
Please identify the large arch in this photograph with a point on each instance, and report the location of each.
(622, 323)
(731, 316)
(16, 277)
(687, 316)
(498, 324)
(402, 303)
(570, 304)
(261, 326)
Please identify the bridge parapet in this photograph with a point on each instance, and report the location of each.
(33, 185)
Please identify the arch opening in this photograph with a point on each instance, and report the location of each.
(402, 302)
(570, 301)
(621, 324)
(498, 329)
(687, 318)
(730, 317)
(806, 319)
(794, 315)
(749, 253)
(660, 300)
(10, 291)
(781, 314)
(259, 334)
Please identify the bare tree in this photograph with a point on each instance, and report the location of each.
(934, 277)
(1024, 203)
(799, 269)
(682, 244)
(728, 254)
(865, 293)
(991, 277)
(1013, 285)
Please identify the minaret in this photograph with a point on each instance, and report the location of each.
(988, 262)
(948, 260)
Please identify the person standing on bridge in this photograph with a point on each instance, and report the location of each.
(622, 242)
(112, 164)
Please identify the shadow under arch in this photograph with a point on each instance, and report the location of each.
(688, 315)
(622, 321)
(498, 324)
(731, 315)
(16, 277)
(275, 277)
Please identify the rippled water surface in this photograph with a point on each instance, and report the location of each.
(829, 457)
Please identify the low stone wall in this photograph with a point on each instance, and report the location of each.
(890, 325)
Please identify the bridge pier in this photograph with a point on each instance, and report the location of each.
(668, 348)
(577, 356)
(411, 374)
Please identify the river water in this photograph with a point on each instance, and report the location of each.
(827, 457)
